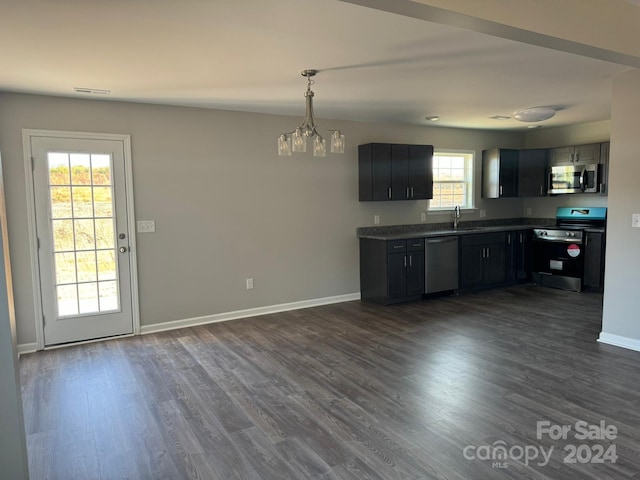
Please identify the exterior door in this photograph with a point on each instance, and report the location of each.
(80, 196)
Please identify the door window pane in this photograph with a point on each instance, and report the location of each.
(83, 225)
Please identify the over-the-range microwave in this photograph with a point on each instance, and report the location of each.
(574, 179)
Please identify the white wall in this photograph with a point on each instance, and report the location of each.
(226, 206)
(622, 279)
(594, 132)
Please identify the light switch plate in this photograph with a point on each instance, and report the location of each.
(483, 213)
(376, 219)
(635, 220)
(146, 226)
(529, 212)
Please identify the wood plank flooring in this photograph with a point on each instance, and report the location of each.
(346, 391)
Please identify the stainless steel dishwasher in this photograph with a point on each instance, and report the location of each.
(441, 264)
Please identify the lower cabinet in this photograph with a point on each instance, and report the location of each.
(483, 260)
(391, 271)
(594, 260)
(519, 256)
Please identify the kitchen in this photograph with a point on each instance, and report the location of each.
(407, 262)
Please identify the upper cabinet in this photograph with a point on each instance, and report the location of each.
(395, 172)
(589, 153)
(532, 173)
(604, 170)
(499, 173)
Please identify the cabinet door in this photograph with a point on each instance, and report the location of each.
(532, 173)
(399, 172)
(604, 169)
(587, 153)
(471, 266)
(523, 255)
(593, 259)
(495, 264)
(508, 173)
(499, 173)
(396, 275)
(561, 156)
(415, 273)
(420, 172)
(374, 172)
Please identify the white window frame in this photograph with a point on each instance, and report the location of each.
(469, 179)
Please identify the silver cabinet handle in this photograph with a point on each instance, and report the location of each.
(508, 239)
(398, 246)
(541, 188)
(389, 192)
(412, 192)
(500, 190)
(123, 249)
(521, 239)
(488, 252)
(405, 260)
(410, 261)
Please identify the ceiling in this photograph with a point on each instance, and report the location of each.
(247, 54)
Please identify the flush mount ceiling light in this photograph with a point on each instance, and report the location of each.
(296, 141)
(536, 114)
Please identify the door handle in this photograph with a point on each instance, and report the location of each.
(123, 249)
(389, 192)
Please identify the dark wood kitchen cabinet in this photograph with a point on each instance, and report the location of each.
(589, 153)
(594, 247)
(482, 260)
(391, 271)
(395, 172)
(499, 173)
(519, 256)
(604, 168)
(532, 172)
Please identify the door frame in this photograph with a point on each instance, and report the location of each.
(27, 134)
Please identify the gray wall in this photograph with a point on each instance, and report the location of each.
(226, 206)
(621, 299)
(13, 448)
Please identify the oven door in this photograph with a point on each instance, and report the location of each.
(558, 264)
(565, 179)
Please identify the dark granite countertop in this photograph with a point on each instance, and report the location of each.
(420, 230)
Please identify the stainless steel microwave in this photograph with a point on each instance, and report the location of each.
(574, 179)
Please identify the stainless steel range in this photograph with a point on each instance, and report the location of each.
(558, 253)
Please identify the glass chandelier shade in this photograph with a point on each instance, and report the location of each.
(296, 141)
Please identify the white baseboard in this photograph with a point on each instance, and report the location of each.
(25, 348)
(620, 341)
(250, 312)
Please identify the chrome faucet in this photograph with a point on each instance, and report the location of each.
(456, 217)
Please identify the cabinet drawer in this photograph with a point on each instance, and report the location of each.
(482, 239)
(396, 246)
(415, 244)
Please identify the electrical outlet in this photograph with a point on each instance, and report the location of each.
(376, 219)
(635, 220)
(423, 217)
(249, 283)
(529, 212)
(146, 226)
(483, 213)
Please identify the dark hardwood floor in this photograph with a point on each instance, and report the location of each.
(424, 390)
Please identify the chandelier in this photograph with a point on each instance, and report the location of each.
(296, 141)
